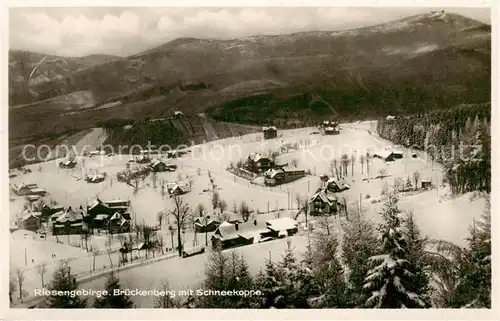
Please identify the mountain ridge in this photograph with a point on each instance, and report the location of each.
(444, 59)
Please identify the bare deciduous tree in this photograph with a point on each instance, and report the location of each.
(12, 288)
(200, 210)
(222, 206)
(367, 160)
(159, 217)
(345, 163)
(353, 161)
(215, 200)
(95, 251)
(41, 269)
(20, 282)
(245, 211)
(362, 161)
(181, 214)
(161, 243)
(107, 244)
(416, 177)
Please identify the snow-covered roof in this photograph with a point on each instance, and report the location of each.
(269, 128)
(255, 157)
(283, 223)
(118, 201)
(156, 162)
(272, 172)
(390, 117)
(225, 224)
(101, 217)
(384, 153)
(323, 196)
(116, 216)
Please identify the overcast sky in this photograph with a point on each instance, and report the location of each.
(125, 31)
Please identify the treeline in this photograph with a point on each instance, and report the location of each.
(386, 266)
(459, 138)
(121, 133)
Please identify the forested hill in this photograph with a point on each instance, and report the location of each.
(459, 138)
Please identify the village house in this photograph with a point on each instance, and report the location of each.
(334, 186)
(69, 163)
(178, 189)
(142, 160)
(32, 198)
(426, 184)
(389, 118)
(233, 235)
(283, 226)
(47, 211)
(330, 130)
(384, 155)
(30, 220)
(258, 164)
(282, 175)
(71, 222)
(98, 207)
(99, 222)
(118, 224)
(397, 154)
(270, 132)
(205, 224)
(178, 114)
(37, 191)
(158, 166)
(172, 154)
(94, 178)
(119, 206)
(323, 203)
(23, 189)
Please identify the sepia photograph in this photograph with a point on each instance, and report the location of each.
(249, 158)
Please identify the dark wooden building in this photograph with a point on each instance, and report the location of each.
(205, 224)
(282, 175)
(158, 166)
(258, 164)
(270, 132)
(323, 203)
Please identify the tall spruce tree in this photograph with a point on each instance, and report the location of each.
(226, 272)
(474, 287)
(65, 284)
(358, 245)
(391, 283)
(416, 255)
(330, 287)
(113, 300)
(287, 284)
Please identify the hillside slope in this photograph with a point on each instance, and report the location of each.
(420, 62)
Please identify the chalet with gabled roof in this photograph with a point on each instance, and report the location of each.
(158, 166)
(239, 234)
(258, 164)
(282, 175)
(335, 186)
(270, 132)
(206, 224)
(323, 203)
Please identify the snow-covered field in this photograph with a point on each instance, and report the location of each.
(438, 215)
